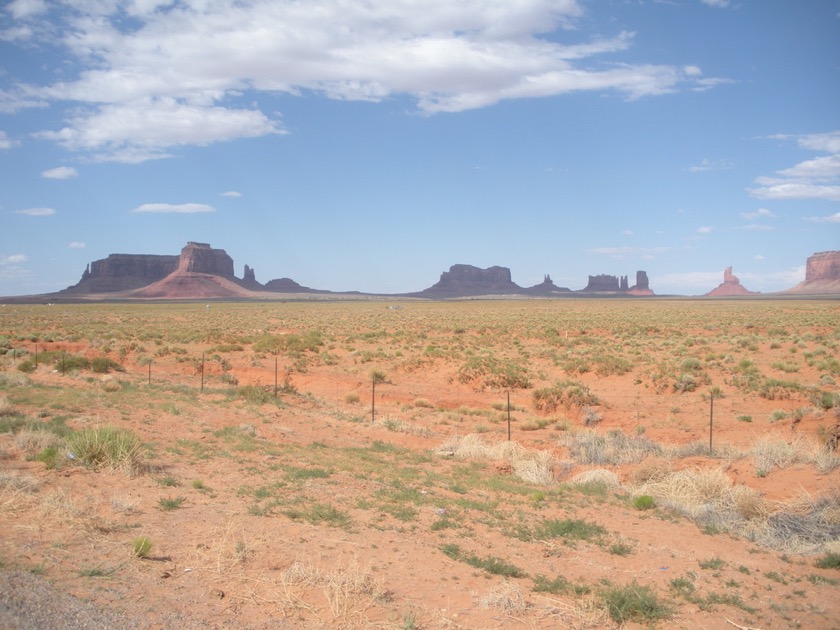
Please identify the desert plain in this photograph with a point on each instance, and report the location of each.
(575, 463)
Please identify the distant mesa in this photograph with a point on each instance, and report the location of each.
(822, 275)
(467, 281)
(614, 284)
(731, 286)
(201, 271)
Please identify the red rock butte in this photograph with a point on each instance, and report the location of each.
(731, 286)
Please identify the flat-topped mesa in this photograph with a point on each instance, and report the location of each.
(466, 280)
(823, 266)
(124, 272)
(603, 283)
(201, 258)
(822, 275)
(731, 286)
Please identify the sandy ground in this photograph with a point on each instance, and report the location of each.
(302, 511)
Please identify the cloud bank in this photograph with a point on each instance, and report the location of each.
(153, 75)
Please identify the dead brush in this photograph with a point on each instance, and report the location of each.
(31, 442)
(351, 591)
(614, 448)
(808, 524)
(532, 466)
(505, 597)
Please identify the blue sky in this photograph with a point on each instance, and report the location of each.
(354, 145)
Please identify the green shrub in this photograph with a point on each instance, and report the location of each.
(171, 503)
(828, 561)
(255, 394)
(106, 446)
(566, 393)
(643, 502)
(633, 603)
(49, 457)
(141, 547)
(26, 366)
(103, 365)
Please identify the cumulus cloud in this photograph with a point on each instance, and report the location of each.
(832, 218)
(5, 141)
(710, 165)
(37, 212)
(21, 9)
(180, 76)
(76, 245)
(14, 259)
(174, 208)
(60, 172)
(231, 193)
(761, 213)
(705, 229)
(816, 178)
(141, 130)
(720, 4)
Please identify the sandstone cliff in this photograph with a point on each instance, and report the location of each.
(466, 280)
(604, 283)
(822, 275)
(123, 272)
(730, 286)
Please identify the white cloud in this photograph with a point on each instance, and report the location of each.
(816, 178)
(721, 4)
(183, 208)
(705, 229)
(36, 212)
(175, 77)
(231, 193)
(832, 218)
(11, 266)
(76, 245)
(140, 130)
(824, 142)
(761, 213)
(26, 8)
(758, 257)
(5, 142)
(60, 172)
(710, 165)
(627, 232)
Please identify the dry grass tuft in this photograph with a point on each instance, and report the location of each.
(597, 476)
(615, 448)
(506, 597)
(29, 441)
(532, 466)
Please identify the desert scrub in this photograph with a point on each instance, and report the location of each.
(487, 371)
(491, 564)
(141, 547)
(614, 448)
(168, 504)
(643, 502)
(567, 394)
(633, 603)
(106, 446)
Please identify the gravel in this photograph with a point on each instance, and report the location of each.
(30, 602)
